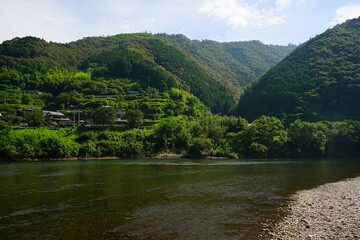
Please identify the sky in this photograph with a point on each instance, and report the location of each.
(277, 22)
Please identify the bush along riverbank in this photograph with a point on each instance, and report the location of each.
(331, 211)
(206, 135)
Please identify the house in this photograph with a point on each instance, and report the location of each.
(25, 111)
(120, 121)
(119, 111)
(106, 96)
(55, 116)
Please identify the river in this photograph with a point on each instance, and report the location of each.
(154, 199)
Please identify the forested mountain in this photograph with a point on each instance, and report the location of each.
(137, 95)
(236, 63)
(214, 72)
(320, 80)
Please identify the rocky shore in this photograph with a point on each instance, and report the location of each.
(331, 211)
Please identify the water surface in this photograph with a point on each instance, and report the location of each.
(153, 199)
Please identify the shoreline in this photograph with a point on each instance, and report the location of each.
(159, 156)
(330, 211)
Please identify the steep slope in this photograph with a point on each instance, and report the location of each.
(257, 57)
(320, 80)
(215, 72)
(235, 63)
(142, 58)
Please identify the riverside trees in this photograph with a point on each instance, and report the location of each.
(264, 137)
(104, 115)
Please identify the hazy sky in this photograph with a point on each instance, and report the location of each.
(270, 21)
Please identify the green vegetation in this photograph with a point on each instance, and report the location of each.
(233, 64)
(104, 115)
(36, 144)
(141, 95)
(135, 118)
(192, 137)
(318, 81)
(114, 65)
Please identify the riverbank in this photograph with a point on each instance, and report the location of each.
(169, 155)
(331, 211)
(160, 157)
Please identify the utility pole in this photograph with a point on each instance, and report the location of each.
(74, 117)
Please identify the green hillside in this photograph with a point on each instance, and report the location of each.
(133, 96)
(320, 80)
(235, 63)
(145, 59)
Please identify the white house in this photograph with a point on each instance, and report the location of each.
(55, 116)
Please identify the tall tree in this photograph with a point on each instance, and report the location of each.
(104, 115)
(307, 139)
(35, 118)
(264, 137)
(135, 118)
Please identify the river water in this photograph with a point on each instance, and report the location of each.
(154, 199)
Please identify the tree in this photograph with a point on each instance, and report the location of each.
(100, 72)
(234, 124)
(35, 118)
(135, 118)
(200, 147)
(173, 134)
(104, 115)
(344, 139)
(63, 100)
(258, 150)
(265, 135)
(216, 133)
(7, 147)
(307, 139)
(4, 128)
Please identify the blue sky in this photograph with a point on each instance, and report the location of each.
(270, 21)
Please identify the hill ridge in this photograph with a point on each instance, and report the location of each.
(164, 60)
(317, 81)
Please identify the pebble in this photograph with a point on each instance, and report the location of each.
(312, 206)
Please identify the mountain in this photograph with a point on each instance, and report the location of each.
(236, 63)
(320, 80)
(215, 72)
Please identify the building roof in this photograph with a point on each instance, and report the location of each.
(119, 120)
(54, 113)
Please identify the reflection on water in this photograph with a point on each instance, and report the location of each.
(153, 199)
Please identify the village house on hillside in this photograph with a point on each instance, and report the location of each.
(55, 116)
(25, 111)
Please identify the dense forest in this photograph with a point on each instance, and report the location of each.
(149, 60)
(320, 80)
(143, 95)
(236, 63)
(208, 135)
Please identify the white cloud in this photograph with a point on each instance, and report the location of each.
(222, 20)
(239, 13)
(281, 4)
(345, 13)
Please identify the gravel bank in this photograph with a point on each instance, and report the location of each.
(331, 211)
